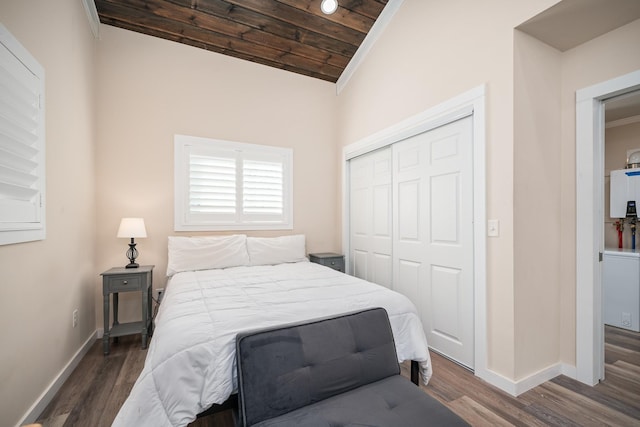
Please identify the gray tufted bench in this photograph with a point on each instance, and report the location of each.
(341, 371)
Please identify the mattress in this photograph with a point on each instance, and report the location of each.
(191, 364)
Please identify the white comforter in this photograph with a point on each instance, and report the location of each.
(191, 363)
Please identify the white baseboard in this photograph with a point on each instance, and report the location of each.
(47, 396)
(570, 371)
(497, 380)
(516, 388)
(538, 378)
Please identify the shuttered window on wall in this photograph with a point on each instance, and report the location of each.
(224, 185)
(22, 172)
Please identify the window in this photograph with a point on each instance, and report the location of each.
(223, 185)
(22, 143)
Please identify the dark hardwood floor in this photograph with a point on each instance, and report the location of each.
(97, 388)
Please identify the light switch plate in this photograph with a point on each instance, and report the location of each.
(493, 228)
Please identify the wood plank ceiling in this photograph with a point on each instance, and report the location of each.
(293, 35)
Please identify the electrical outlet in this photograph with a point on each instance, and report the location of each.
(159, 294)
(75, 317)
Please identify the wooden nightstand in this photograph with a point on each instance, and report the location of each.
(120, 279)
(329, 259)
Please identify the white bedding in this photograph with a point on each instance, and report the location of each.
(191, 363)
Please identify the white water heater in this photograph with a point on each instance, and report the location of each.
(625, 186)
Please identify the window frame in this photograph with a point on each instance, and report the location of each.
(28, 229)
(184, 221)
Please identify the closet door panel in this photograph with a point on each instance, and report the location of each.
(445, 289)
(409, 215)
(382, 270)
(370, 218)
(381, 211)
(445, 209)
(408, 278)
(433, 233)
(359, 263)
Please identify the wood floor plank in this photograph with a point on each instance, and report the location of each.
(622, 349)
(95, 391)
(115, 400)
(546, 404)
(607, 393)
(502, 404)
(476, 414)
(619, 371)
(132, 367)
(586, 411)
(622, 338)
(632, 369)
(75, 387)
(57, 421)
(85, 381)
(626, 402)
(92, 413)
(550, 417)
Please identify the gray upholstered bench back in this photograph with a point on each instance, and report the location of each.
(285, 368)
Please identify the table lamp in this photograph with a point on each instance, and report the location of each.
(132, 228)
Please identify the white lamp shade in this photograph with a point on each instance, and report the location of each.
(132, 227)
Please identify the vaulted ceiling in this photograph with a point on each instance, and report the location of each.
(293, 35)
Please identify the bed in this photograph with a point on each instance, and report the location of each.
(190, 364)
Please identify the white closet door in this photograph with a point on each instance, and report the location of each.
(433, 234)
(370, 217)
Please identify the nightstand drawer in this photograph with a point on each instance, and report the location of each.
(124, 283)
(329, 259)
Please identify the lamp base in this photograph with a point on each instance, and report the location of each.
(132, 254)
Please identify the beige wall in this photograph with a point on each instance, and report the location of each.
(149, 89)
(43, 282)
(431, 52)
(536, 206)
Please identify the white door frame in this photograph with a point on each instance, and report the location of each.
(469, 103)
(589, 222)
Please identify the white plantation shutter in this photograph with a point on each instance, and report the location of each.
(22, 178)
(262, 188)
(212, 184)
(223, 185)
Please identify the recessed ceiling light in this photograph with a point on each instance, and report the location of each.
(329, 6)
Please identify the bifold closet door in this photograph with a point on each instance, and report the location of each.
(433, 234)
(370, 217)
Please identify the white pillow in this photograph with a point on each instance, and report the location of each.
(276, 250)
(202, 253)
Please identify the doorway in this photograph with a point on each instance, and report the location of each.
(589, 222)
